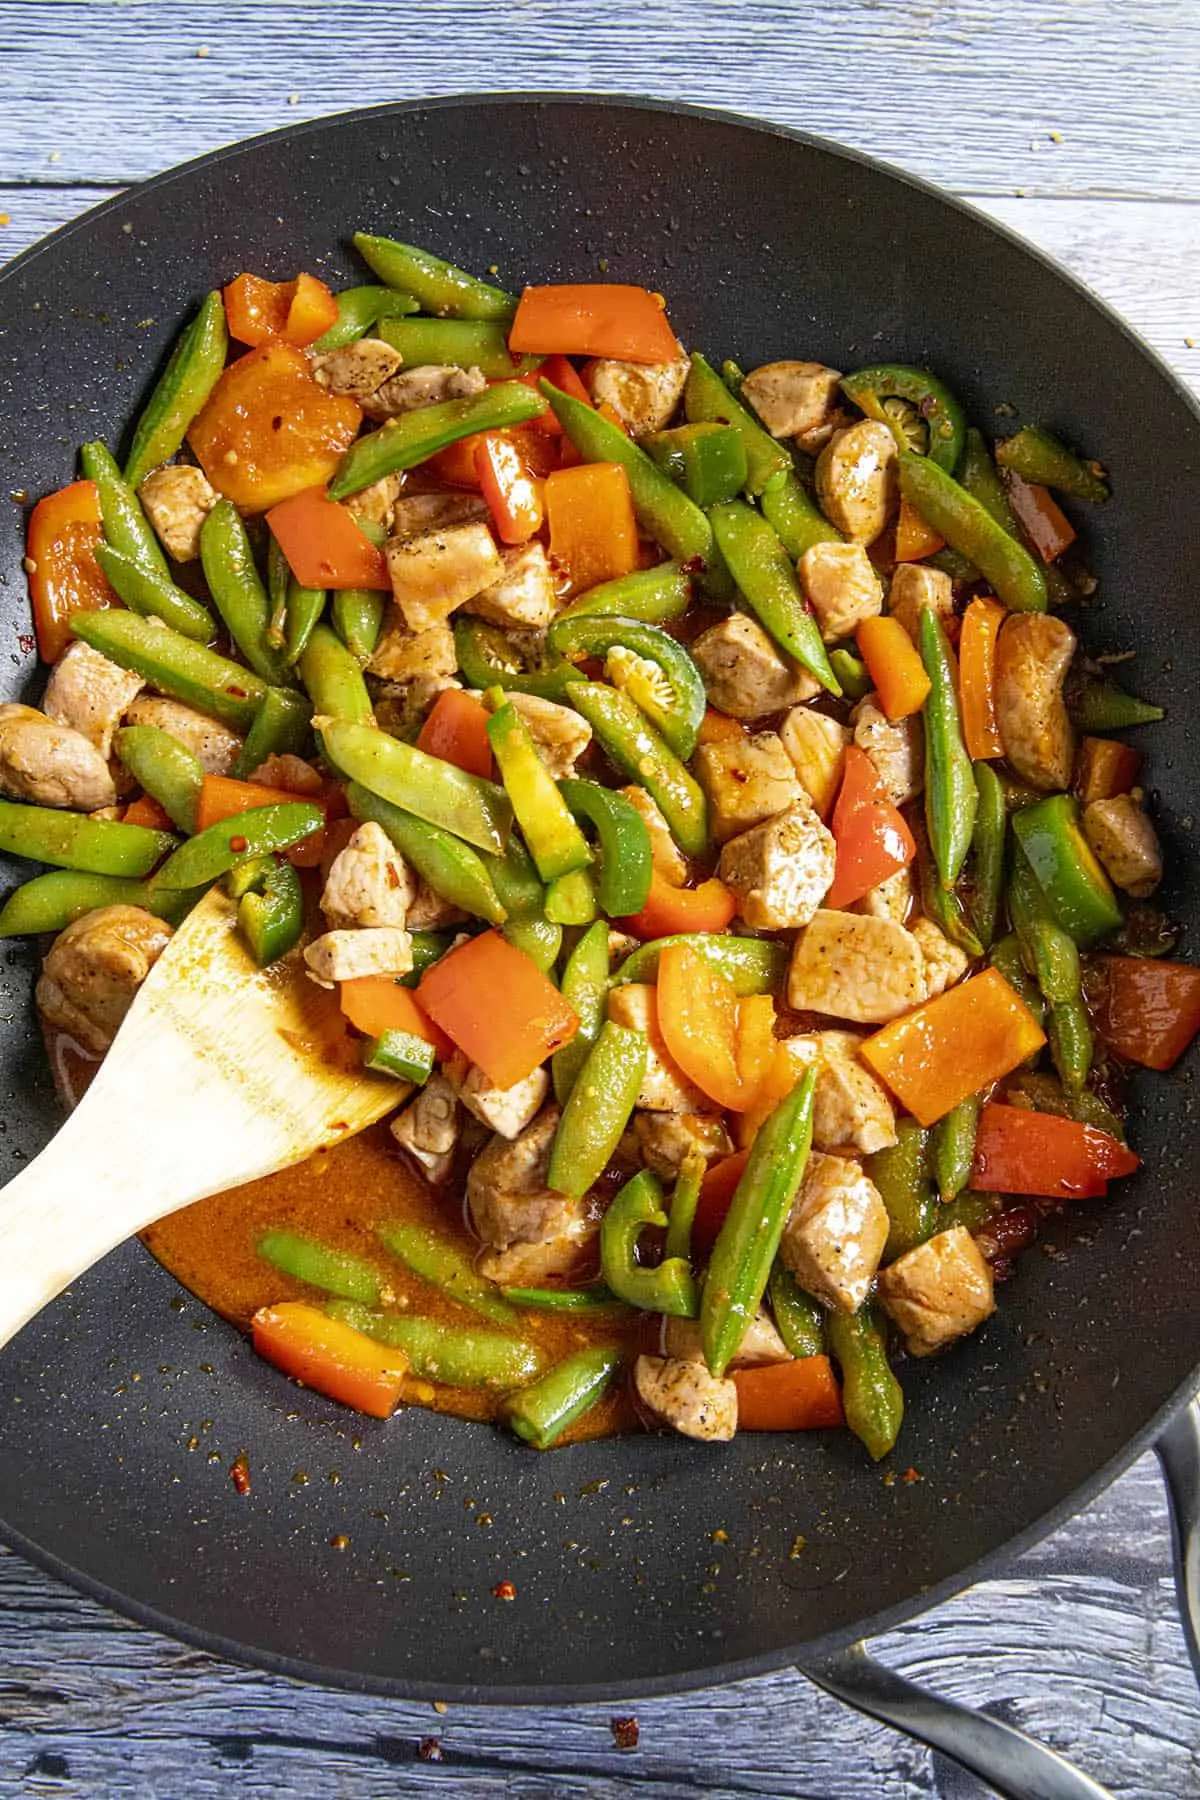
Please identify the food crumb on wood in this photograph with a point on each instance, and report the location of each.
(202, 51)
(441, 1706)
(625, 1733)
(430, 1750)
(5, 219)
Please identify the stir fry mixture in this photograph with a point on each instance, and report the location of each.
(689, 783)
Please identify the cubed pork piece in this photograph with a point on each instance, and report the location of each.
(359, 369)
(685, 1396)
(524, 595)
(854, 967)
(897, 749)
(665, 1087)
(792, 398)
(945, 963)
(643, 395)
(856, 480)
(1122, 836)
(506, 1111)
(851, 1109)
(369, 883)
(664, 1139)
(817, 746)
(439, 571)
(938, 1292)
(744, 672)
(428, 1128)
(345, 955)
(668, 859)
(780, 870)
(429, 384)
(404, 655)
(916, 589)
(747, 780)
(177, 499)
(214, 746)
(90, 694)
(835, 1232)
(841, 586)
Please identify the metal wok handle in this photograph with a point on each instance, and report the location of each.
(1016, 1766)
(1178, 1451)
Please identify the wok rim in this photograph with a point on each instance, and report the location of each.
(871, 1625)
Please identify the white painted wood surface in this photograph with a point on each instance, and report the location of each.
(1079, 1643)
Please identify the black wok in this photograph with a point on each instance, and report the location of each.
(123, 1405)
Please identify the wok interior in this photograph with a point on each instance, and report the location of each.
(123, 1406)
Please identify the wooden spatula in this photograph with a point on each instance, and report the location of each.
(220, 1073)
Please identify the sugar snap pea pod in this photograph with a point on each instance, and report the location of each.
(73, 841)
(753, 965)
(684, 1201)
(570, 1300)
(357, 617)
(987, 852)
(428, 947)
(174, 665)
(304, 608)
(278, 577)
(632, 744)
(453, 1355)
(623, 884)
(978, 474)
(918, 400)
(541, 1413)
(468, 343)
(669, 692)
(337, 1271)
(899, 1173)
(1050, 953)
(795, 517)
(437, 286)
(51, 902)
(221, 847)
(1005, 955)
(271, 913)
(571, 898)
(950, 797)
(515, 879)
(942, 905)
(664, 511)
(971, 1210)
(185, 384)
(668, 1288)
(598, 1109)
(850, 672)
(280, 727)
(871, 1395)
(453, 870)
(415, 436)
(464, 805)
(444, 1266)
(651, 595)
(334, 679)
(764, 574)
(237, 590)
(1036, 455)
(585, 985)
(540, 938)
(1071, 1044)
(799, 1319)
(358, 309)
(707, 397)
(970, 529)
(748, 1240)
(952, 1150)
(1045, 1094)
(1105, 706)
(144, 590)
(165, 768)
(126, 527)
(555, 841)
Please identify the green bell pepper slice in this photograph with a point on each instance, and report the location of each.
(555, 841)
(707, 399)
(764, 574)
(685, 1199)
(174, 665)
(669, 691)
(968, 527)
(670, 1287)
(632, 744)
(454, 871)
(585, 985)
(1036, 455)
(652, 596)
(399, 1053)
(185, 384)
(428, 947)
(921, 412)
(488, 658)
(626, 860)
(541, 1413)
(598, 1110)
(358, 309)
(437, 286)
(73, 841)
(1076, 889)
(464, 805)
(752, 965)
(416, 436)
(707, 460)
(271, 914)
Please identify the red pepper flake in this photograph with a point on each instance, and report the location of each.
(239, 1473)
(25, 641)
(625, 1733)
(430, 1750)
(238, 693)
(504, 1590)
(238, 844)
(340, 1542)
(695, 565)
(911, 1475)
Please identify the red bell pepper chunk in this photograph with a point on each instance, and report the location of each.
(1148, 1011)
(593, 319)
(513, 493)
(669, 909)
(495, 1003)
(456, 730)
(324, 546)
(873, 841)
(64, 576)
(330, 1357)
(792, 1396)
(1022, 1152)
(562, 372)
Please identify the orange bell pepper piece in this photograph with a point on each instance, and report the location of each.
(221, 797)
(495, 1003)
(593, 533)
(146, 810)
(792, 1396)
(1103, 769)
(873, 840)
(456, 730)
(778, 1080)
(64, 576)
(593, 319)
(669, 910)
(718, 728)
(324, 546)
(716, 1192)
(330, 1357)
(914, 538)
(977, 678)
(1018, 1151)
(1148, 1011)
(511, 489)
(297, 311)
(1045, 523)
(894, 666)
(268, 430)
(377, 1003)
(701, 1021)
(313, 310)
(953, 1046)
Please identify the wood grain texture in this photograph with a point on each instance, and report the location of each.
(966, 92)
(1079, 1642)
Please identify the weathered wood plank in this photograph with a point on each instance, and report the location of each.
(1112, 245)
(967, 92)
